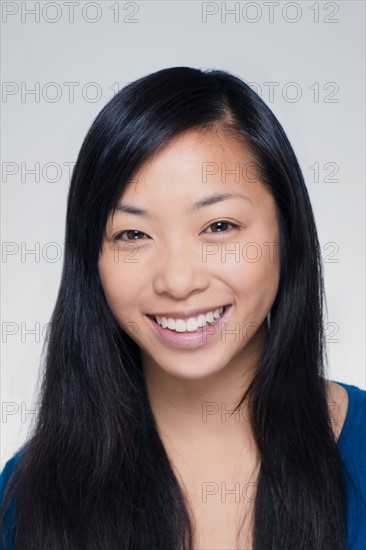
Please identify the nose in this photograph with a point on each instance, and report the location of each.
(180, 272)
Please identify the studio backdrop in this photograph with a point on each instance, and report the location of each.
(63, 61)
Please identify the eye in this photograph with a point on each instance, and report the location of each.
(221, 226)
(133, 233)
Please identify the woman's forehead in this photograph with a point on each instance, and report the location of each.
(196, 163)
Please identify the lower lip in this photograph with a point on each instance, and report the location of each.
(190, 340)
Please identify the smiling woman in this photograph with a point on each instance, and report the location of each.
(178, 217)
(184, 403)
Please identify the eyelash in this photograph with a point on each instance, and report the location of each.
(118, 236)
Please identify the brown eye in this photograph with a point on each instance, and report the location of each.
(132, 235)
(221, 226)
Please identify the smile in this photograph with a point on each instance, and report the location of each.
(191, 324)
(192, 332)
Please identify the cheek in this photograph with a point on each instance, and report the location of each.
(253, 272)
(258, 277)
(116, 286)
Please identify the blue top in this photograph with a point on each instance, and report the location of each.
(352, 447)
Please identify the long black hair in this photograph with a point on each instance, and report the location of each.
(94, 473)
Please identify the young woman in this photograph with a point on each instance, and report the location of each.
(184, 402)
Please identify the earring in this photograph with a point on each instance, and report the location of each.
(269, 320)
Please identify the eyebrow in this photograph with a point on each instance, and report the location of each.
(203, 203)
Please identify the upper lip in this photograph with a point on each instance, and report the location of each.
(186, 314)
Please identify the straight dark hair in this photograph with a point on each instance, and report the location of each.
(94, 473)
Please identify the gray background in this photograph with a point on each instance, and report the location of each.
(313, 49)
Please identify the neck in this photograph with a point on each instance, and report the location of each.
(196, 413)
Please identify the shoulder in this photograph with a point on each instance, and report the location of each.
(347, 406)
(8, 469)
(338, 400)
(5, 528)
(352, 448)
(348, 409)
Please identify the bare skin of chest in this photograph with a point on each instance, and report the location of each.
(219, 482)
(220, 492)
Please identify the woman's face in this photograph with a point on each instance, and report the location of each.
(179, 247)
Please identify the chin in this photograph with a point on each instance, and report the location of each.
(193, 369)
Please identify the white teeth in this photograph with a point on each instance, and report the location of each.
(193, 323)
(210, 317)
(201, 320)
